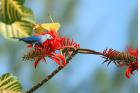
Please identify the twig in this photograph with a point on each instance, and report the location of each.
(80, 50)
(51, 75)
(88, 51)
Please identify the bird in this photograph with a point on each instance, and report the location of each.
(35, 39)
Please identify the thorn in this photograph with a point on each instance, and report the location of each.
(105, 51)
(105, 61)
(114, 62)
(109, 63)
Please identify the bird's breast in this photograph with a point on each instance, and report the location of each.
(42, 40)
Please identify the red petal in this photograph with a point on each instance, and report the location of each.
(63, 59)
(29, 46)
(36, 62)
(133, 52)
(44, 60)
(128, 72)
(59, 59)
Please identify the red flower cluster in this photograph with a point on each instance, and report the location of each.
(134, 64)
(52, 48)
(129, 58)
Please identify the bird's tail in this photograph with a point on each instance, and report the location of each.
(16, 38)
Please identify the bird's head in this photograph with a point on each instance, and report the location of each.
(48, 36)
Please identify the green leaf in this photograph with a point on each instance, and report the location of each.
(9, 84)
(15, 20)
(22, 1)
(17, 29)
(13, 10)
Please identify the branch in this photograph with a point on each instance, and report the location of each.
(51, 75)
(88, 51)
(80, 50)
(110, 54)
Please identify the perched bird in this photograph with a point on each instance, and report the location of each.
(35, 39)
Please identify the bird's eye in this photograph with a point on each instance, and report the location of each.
(50, 36)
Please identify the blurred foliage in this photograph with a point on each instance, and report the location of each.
(68, 12)
(133, 29)
(15, 19)
(9, 84)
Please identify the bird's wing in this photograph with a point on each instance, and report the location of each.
(31, 39)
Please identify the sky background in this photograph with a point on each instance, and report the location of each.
(94, 24)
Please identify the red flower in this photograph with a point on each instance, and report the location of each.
(133, 52)
(122, 59)
(133, 65)
(52, 49)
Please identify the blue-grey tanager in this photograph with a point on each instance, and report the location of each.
(35, 39)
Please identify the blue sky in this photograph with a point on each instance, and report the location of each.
(96, 24)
